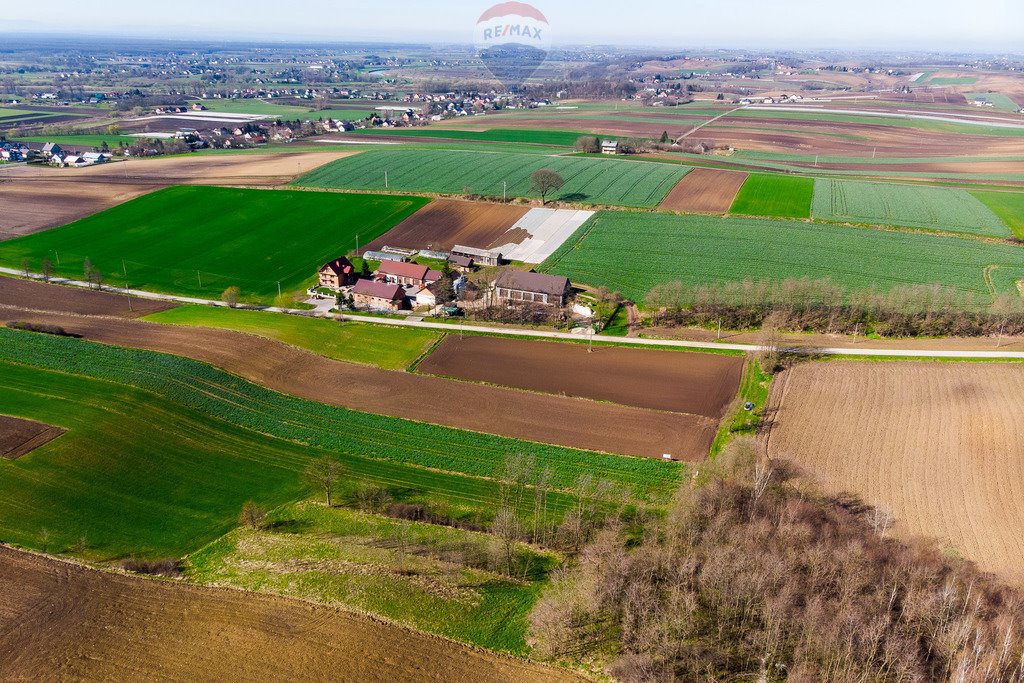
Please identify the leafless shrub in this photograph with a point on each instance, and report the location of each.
(166, 567)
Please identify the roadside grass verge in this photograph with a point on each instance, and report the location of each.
(755, 386)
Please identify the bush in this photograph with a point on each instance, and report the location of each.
(253, 516)
(166, 567)
(43, 328)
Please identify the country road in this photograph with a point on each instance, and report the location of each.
(545, 334)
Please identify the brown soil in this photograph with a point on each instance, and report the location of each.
(19, 437)
(60, 621)
(573, 422)
(938, 445)
(696, 383)
(443, 223)
(39, 197)
(36, 295)
(704, 190)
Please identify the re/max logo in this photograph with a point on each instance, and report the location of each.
(512, 30)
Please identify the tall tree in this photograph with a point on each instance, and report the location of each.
(545, 180)
(323, 472)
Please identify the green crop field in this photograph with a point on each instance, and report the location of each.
(1009, 206)
(85, 140)
(197, 241)
(462, 601)
(386, 346)
(255, 107)
(562, 138)
(953, 80)
(633, 252)
(343, 114)
(587, 180)
(998, 99)
(915, 206)
(162, 451)
(774, 195)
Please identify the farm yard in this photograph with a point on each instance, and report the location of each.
(203, 442)
(611, 182)
(901, 436)
(936, 208)
(632, 253)
(148, 624)
(774, 195)
(704, 190)
(252, 239)
(443, 223)
(696, 383)
(538, 418)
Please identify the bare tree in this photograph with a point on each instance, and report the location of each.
(253, 516)
(47, 269)
(545, 180)
(26, 266)
(323, 472)
(231, 296)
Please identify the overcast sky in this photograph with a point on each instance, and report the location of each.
(995, 25)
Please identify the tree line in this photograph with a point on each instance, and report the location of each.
(811, 305)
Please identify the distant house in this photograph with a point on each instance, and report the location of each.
(96, 157)
(480, 256)
(463, 264)
(378, 296)
(610, 147)
(337, 273)
(411, 274)
(52, 149)
(514, 286)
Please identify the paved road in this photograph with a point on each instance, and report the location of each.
(545, 334)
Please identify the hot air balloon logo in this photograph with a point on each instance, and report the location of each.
(513, 39)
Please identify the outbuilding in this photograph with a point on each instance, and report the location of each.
(411, 274)
(378, 296)
(517, 286)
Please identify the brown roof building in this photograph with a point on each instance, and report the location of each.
(518, 286)
(337, 273)
(403, 273)
(378, 295)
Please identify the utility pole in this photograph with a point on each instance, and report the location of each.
(124, 268)
(57, 256)
(278, 289)
(200, 276)
(128, 293)
(386, 179)
(504, 190)
(357, 244)
(718, 337)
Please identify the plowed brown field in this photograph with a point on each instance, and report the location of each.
(36, 295)
(938, 445)
(18, 436)
(443, 223)
(60, 621)
(558, 420)
(696, 383)
(38, 197)
(704, 190)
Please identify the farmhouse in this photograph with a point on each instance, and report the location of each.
(337, 273)
(610, 147)
(379, 296)
(480, 256)
(410, 274)
(517, 286)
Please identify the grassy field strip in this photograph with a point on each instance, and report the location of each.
(562, 138)
(774, 195)
(633, 252)
(824, 159)
(937, 123)
(393, 348)
(439, 583)
(587, 180)
(915, 206)
(197, 241)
